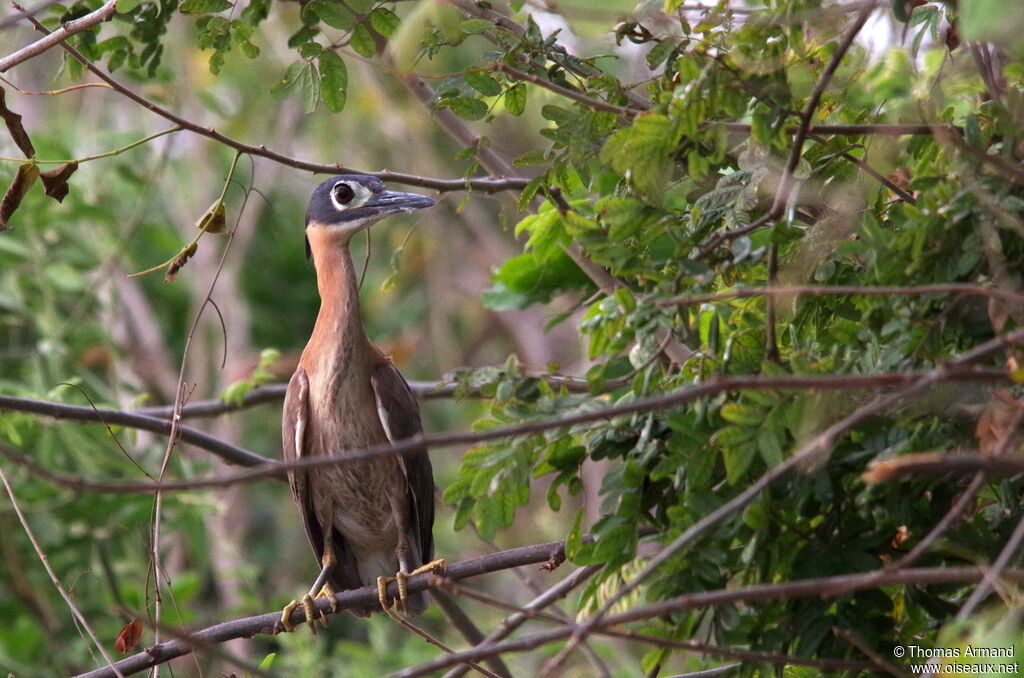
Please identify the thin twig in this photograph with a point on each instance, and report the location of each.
(56, 581)
(66, 30)
(881, 662)
(872, 172)
(852, 290)
(994, 572)
(576, 95)
(870, 129)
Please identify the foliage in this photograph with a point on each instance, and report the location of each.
(671, 158)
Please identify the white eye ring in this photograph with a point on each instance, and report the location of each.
(342, 195)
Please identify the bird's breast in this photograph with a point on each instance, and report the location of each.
(360, 493)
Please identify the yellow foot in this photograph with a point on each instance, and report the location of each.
(435, 566)
(307, 606)
(328, 593)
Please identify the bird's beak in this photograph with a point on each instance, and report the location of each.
(389, 202)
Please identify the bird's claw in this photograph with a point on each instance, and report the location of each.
(402, 579)
(307, 606)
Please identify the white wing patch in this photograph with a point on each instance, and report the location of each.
(300, 422)
(382, 414)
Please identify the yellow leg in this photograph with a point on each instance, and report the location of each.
(320, 588)
(435, 566)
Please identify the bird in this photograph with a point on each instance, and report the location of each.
(369, 521)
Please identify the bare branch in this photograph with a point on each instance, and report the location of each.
(576, 95)
(262, 467)
(853, 290)
(269, 623)
(68, 29)
(804, 588)
(873, 129)
(939, 462)
(225, 450)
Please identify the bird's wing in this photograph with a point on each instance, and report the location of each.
(400, 418)
(294, 427)
(295, 440)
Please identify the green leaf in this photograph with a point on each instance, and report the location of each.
(659, 53)
(474, 26)
(334, 14)
(308, 50)
(362, 42)
(333, 80)
(745, 415)
(286, 86)
(204, 6)
(515, 99)
(465, 107)
(309, 86)
(527, 279)
(643, 151)
(361, 6)
(384, 21)
(127, 6)
(482, 82)
(531, 158)
(737, 461)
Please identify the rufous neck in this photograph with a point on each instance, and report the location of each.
(339, 324)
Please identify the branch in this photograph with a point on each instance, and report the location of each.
(823, 290)
(269, 623)
(851, 130)
(484, 184)
(425, 390)
(227, 451)
(939, 463)
(574, 94)
(66, 30)
(803, 588)
(263, 467)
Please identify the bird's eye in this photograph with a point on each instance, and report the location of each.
(343, 193)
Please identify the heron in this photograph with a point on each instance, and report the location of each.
(369, 521)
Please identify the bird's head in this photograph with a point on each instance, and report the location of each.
(344, 205)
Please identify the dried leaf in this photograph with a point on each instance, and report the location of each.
(13, 121)
(179, 261)
(994, 423)
(902, 534)
(213, 220)
(55, 181)
(128, 637)
(23, 180)
(886, 469)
